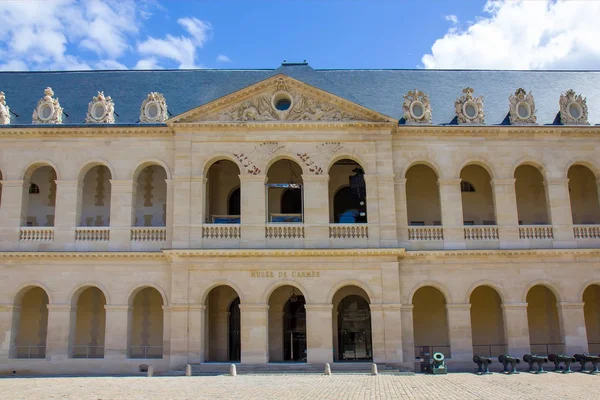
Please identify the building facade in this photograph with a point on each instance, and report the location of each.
(296, 215)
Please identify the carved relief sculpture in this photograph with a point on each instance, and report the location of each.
(469, 109)
(522, 108)
(417, 109)
(4, 110)
(48, 110)
(101, 110)
(154, 108)
(573, 109)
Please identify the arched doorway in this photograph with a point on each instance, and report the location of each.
(354, 329)
(223, 193)
(151, 197)
(223, 325)
(543, 321)
(583, 194)
(95, 197)
(90, 322)
(41, 196)
(530, 191)
(430, 322)
(146, 323)
(284, 192)
(423, 196)
(487, 322)
(31, 323)
(287, 325)
(477, 196)
(591, 310)
(347, 193)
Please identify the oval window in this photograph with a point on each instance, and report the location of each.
(417, 110)
(470, 110)
(98, 111)
(152, 110)
(574, 110)
(523, 110)
(46, 111)
(283, 104)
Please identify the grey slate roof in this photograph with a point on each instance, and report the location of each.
(379, 90)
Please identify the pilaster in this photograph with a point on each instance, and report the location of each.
(378, 333)
(12, 213)
(459, 329)
(319, 325)
(452, 213)
(372, 188)
(392, 318)
(182, 207)
(117, 334)
(196, 335)
(401, 211)
(121, 214)
(68, 211)
(170, 209)
(253, 210)
(198, 208)
(59, 326)
(408, 335)
(572, 327)
(559, 210)
(507, 217)
(254, 335)
(316, 210)
(387, 210)
(517, 328)
(6, 331)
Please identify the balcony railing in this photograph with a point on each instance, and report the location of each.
(284, 231)
(348, 231)
(149, 234)
(221, 231)
(536, 232)
(586, 231)
(481, 232)
(36, 234)
(425, 233)
(92, 234)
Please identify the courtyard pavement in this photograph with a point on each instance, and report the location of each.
(307, 386)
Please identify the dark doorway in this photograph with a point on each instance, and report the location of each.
(291, 201)
(234, 331)
(294, 329)
(234, 202)
(347, 207)
(354, 330)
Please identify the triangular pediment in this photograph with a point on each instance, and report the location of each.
(262, 103)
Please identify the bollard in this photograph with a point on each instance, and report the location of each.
(188, 370)
(150, 371)
(374, 369)
(232, 370)
(327, 369)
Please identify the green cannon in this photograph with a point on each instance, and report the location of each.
(533, 359)
(437, 364)
(583, 359)
(483, 364)
(561, 358)
(507, 360)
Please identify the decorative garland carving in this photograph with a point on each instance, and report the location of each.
(573, 109)
(522, 108)
(48, 109)
(312, 167)
(262, 151)
(154, 108)
(247, 163)
(417, 109)
(4, 110)
(469, 109)
(101, 110)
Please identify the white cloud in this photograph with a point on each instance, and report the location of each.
(199, 30)
(223, 58)
(452, 18)
(544, 34)
(13, 65)
(147, 63)
(109, 64)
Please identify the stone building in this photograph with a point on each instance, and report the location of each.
(195, 216)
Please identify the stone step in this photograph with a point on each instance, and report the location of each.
(282, 368)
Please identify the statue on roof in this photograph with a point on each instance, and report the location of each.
(4, 110)
(48, 109)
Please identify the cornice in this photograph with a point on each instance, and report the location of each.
(230, 126)
(100, 131)
(496, 130)
(501, 252)
(397, 252)
(17, 255)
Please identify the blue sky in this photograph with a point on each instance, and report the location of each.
(114, 34)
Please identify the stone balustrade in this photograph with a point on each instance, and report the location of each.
(221, 231)
(92, 234)
(481, 232)
(586, 231)
(348, 231)
(36, 234)
(536, 232)
(284, 231)
(425, 233)
(149, 234)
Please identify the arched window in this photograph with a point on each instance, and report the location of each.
(423, 196)
(477, 196)
(151, 197)
(222, 201)
(284, 192)
(347, 193)
(96, 197)
(41, 197)
(531, 196)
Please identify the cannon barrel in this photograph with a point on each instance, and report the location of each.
(585, 358)
(534, 358)
(561, 358)
(508, 360)
(437, 364)
(477, 359)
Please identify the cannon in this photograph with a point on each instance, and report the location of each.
(561, 358)
(533, 359)
(583, 359)
(483, 364)
(507, 360)
(437, 364)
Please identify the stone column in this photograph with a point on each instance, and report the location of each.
(12, 213)
(182, 207)
(559, 212)
(197, 324)
(387, 211)
(121, 214)
(59, 329)
(516, 326)
(373, 209)
(169, 211)
(319, 325)
(507, 216)
(393, 333)
(6, 331)
(459, 330)
(197, 205)
(178, 343)
(572, 327)
(255, 333)
(254, 211)
(408, 335)
(378, 333)
(316, 210)
(401, 211)
(118, 326)
(452, 213)
(67, 213)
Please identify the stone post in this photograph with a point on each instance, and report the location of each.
(387, 211)
(118, 327)
(253, 209)
(319, 326)
(373, 209)
(255, 329)
(316, 210)
(196, 333)
(401, 211)
(459, 329)
(197, 204)
(121, 214)
(408, 335)
(507, 216)
(559, 212)
(378, 333)
(67, 213)
(516, 326)
(59, 328)
(452, 213)
(572, 327)
(12, 213)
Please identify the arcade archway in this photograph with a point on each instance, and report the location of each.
(223, 324)
(287, 325)
(352, 335)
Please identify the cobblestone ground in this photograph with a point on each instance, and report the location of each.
(313, 387)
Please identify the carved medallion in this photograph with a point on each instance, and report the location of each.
(522, 108)
(101, 110)
(417, 109)
(469, 109)
(154, 108)
(4, 110)
(573, 109)
(48, 110)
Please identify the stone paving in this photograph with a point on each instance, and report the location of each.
(457, 386)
